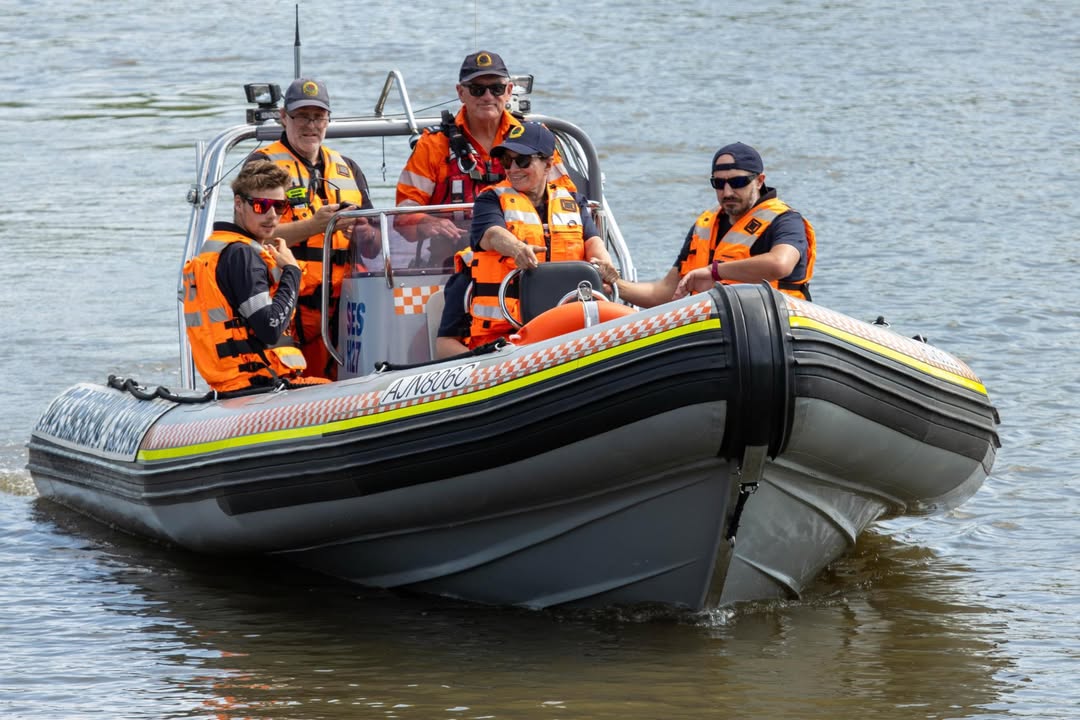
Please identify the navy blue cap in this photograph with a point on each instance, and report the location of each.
(746, 158)
(482, 63)
(529, 138)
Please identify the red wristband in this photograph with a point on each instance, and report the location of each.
(714, 269)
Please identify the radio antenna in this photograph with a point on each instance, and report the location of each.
(296, 45)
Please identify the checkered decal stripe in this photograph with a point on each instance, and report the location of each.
(522, 364)
(412, 300)
(905, 346)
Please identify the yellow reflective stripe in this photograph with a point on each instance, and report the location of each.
(422, 408)
(798, 321)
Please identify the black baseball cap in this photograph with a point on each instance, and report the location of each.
(529, 138)
(746, 158)
(482, 63)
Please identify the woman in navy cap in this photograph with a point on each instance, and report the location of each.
(518, 223)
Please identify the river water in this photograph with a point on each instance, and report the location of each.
(933, 145)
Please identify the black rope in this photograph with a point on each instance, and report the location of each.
(143, 393)
(745, 491)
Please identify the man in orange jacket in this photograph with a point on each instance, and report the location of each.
(452, 162)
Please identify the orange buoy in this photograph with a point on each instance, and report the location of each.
(567, 318)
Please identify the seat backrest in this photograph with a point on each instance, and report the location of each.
(433, 310)
(542, 287)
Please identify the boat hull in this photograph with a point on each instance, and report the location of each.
(612, 465)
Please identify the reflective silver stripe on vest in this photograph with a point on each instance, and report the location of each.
(489, 312)
(214, 315)
(214, 246)
(293, 361)
(218, 315)
(704, 232)
(564, 219)
(190, 292)
(528, 216)
(522, 216)
(560, 216)
(415, 180)
(278, 156)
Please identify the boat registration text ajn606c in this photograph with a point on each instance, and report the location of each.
(429, 383)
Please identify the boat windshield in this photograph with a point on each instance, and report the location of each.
(406, 241)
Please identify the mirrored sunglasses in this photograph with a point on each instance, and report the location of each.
(261, 206)
(478, 90)
(736, 183)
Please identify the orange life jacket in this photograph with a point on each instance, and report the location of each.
(225, 352)
(736, 243)
(561, 239)
(462, 167)
(339, 185)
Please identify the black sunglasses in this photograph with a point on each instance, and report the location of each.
(477, 90)
(261, 206)
(522, 161)
(736, 183)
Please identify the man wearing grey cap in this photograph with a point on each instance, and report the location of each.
(451, 162)
(749, 237)
(322, 182)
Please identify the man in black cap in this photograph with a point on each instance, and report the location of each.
(749, 237)
(322, 182)
(450, 163)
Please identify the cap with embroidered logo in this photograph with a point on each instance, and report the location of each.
(305, 92)
(529, 138)
(482, 63)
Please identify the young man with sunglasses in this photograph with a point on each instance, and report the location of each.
(321, 182)
(749, 237)
(240, 291)
(452, 162)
